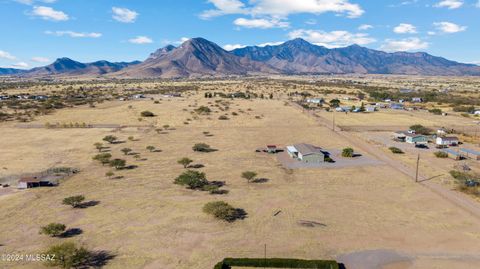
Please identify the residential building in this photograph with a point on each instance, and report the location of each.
(447, 141)
(306, 153)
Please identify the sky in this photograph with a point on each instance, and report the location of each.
(36, 32)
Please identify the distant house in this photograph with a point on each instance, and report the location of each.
(447, 141)
(34, 182)
(343, 109)
(271, 148)
(139, 96)
(316, 101)
(306, 153)
(416, 139)
(370, 109)
(442, 131)
(477, 112)
(417, 100)
(397, 106)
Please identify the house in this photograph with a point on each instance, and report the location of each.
(139, 96)
(472, 154)
(370, 109)
(271, 149)
(343, 109)
(316, 101)
(306, 153)
(447, 141)
(34, 182)
(477, 112)
(415, 139)
(417, 100)
(442, 131)
(397, 106)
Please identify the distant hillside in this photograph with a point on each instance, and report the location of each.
(199, 57)
(66, 66)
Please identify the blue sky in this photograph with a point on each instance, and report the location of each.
(36, 32)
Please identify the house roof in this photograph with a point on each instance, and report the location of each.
(29, 179)
(449, 138)
(307, 149)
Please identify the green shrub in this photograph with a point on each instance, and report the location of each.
(249, 175)
(221, 210)
(192, 179)
(395, 150)
(74, 201)
(441, 154)
(67, 255)
(202, 147)
(53, 229)
(147, 114)
(348, 152)
(203, 110)
(436, 111)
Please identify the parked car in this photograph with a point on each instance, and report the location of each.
(421, 146)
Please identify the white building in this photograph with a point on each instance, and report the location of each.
(447, 141)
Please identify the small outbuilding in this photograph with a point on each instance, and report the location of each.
(34, 182)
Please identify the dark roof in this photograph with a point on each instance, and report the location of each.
(450, 138)
(29, 179)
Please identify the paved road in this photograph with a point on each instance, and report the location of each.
(460, 200)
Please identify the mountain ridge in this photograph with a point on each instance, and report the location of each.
(199, 57)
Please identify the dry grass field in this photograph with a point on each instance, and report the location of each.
(146, 221)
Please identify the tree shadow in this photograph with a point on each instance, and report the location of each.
(196, 166)
(217, 183)
(240, 214)
(71, 233)
(88, 204)
(356, 155)
(97, 259)
(130, 167)
(260, 180)
(157, 150)
(219, 192)
(118, 177)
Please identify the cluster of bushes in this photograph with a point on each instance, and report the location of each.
(228, 263)
(420, 129)
(468, 183)
(436, 111)
(147, 114)
(202, 147)
(203, 110)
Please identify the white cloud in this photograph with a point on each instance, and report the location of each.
(124, 15)
(449, 27)
(6, 55)
(405, 28)
(261, 23)
(40, 60)
(407, 44)
(478, 4)
(450, 4)
(73, 34)
(270, 44)
(224, 7)
(48, 13)
(282, 8)
(141, 40)
(20, 65)
(332, 39)
(230, 47)
(365, 27)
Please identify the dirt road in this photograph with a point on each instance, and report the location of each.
(460, 200)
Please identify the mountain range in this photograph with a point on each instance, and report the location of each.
(198, 57)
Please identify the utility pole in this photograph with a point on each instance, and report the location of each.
(265, 252)
(333, 126)
(418, 162)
